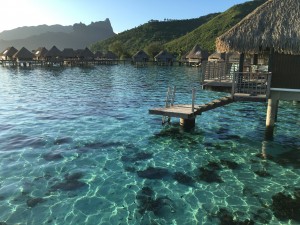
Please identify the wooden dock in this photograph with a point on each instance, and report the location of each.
(188, 113)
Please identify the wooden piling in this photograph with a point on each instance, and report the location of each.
(271, 113)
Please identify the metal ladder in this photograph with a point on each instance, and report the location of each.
(170, 98)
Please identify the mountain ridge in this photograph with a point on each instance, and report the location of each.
(77, 36)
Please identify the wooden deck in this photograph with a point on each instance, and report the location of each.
(185, 111)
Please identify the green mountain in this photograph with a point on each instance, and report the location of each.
(152, 34)
(206, 34)
(177, 36)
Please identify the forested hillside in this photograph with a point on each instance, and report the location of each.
(151, 35)
(177, 36)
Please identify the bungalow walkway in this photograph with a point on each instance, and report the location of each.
(245, 87)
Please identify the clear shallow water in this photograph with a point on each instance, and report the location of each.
(75, 145)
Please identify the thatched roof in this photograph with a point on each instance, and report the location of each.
(163, 55)
(216, 56)
(110, 55)
(197, 53)
(275, 24)
(23, 54)
(40, 52)
(140, 56)
(68, 53)
(53, 52)
(87, 54)
(98, 54)
(9, 52)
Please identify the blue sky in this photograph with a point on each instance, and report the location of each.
(123, 14)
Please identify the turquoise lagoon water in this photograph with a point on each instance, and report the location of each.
(77, 146)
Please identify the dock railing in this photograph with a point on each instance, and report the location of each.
(218, 71)
(252, 84)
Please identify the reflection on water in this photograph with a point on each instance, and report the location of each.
(77, 146)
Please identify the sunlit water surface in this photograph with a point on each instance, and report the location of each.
(77, 146)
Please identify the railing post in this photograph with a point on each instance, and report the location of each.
(173, 96)
(233, 84)
(193, 99)
(268, 84)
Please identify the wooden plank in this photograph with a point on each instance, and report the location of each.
(185, 111)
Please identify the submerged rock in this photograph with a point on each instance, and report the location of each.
(262, 173)
(263, 216)
(74, 176)
(227, 218)
(63, 140)
(52, 156)
(32, 202)
(213, 166)
(183, 179)
(286, 207)
(144, 198)
(209, 176)
(146, 201)
(130, 169)
(229, 164)
(153, 173)
(70, 185)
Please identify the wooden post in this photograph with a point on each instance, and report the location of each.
(271, 59)
(255, 59)
(271, 117)
(188, 123)
(193, 99)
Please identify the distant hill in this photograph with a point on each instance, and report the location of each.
(179, 36)
(152, 32)
(206, 34)
(25, 32)
(77, 36)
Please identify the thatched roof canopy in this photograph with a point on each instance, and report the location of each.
(110, 55)
(53, 52)
(140, 56)
(98, 54)
(23, 54)
(87, 54)
(197, 53)
(217, 56)
(40, 52)
(163, 55)
(275, 24)
(9, 52)
(68, 53)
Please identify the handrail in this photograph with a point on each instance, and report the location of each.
(257, 83)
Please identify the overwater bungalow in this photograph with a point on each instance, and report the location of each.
(39, 54)
(85, 54)
(8, 53)
(53, 55)
(164, 58)
(229, 57)
(196, 56)
(140, 58)
(110, 55)
(98, 55)
(68, 54)
(272, 30)
(23, 55)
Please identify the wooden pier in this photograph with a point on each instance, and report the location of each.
(253, 87)
(188, 113)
